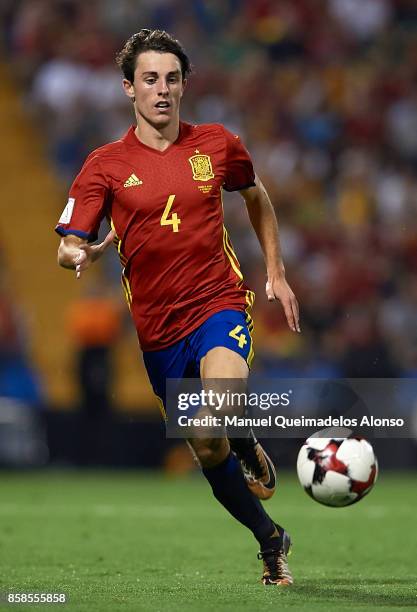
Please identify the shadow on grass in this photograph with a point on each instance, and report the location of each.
(349, 590)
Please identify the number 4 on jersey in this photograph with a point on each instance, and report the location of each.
(240, 338)
(174, 220)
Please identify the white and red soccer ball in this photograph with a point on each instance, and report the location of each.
(337, 471)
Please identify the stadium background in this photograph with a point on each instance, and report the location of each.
(324, 95)
(323, 92)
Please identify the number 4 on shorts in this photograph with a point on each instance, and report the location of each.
(240, 338)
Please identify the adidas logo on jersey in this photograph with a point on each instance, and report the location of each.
(132, 181)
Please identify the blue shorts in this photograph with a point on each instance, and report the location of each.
(229, 328)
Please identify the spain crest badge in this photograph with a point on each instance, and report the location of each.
(201, 166)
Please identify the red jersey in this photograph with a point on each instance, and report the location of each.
(179, 267)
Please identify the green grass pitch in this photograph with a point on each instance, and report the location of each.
(134, 541)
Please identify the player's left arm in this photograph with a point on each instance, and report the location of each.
(264, 222)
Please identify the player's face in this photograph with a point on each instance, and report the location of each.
(157, 87)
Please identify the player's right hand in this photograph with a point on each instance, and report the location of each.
(89, 253)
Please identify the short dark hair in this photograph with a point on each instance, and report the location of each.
(150, 40)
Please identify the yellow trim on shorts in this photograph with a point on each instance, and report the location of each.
(250, 298)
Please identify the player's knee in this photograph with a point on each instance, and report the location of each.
(211, 451)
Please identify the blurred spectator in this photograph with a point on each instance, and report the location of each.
(22, 428)
(18, 380)
(94, 323)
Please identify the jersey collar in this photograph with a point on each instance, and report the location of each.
(132, 140)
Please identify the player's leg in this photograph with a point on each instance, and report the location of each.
(214, 455)
(169, 363)
(224, 473)
(219, 465)
(257, 466)
(229, 329)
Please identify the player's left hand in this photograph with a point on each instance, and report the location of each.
(90, 253)
(279, 289)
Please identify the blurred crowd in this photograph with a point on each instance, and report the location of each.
(324, 95)
(18, 380)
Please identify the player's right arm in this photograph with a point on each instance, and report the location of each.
(80, 221)
(74, 253)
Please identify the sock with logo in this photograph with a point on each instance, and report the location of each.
(230, 489)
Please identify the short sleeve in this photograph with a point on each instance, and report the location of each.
(85, 208)
(239, 169)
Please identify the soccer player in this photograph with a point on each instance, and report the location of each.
(161, 186)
